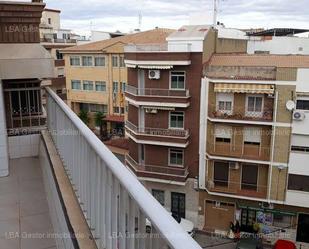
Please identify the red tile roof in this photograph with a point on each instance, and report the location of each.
(114, 118)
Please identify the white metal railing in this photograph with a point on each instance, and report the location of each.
(158, 92)
(157, 131)
(114, 202)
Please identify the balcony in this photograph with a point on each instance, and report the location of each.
(238, 188)
(53, 40)
(169, 173)
(68, 189)
(266, 115)
(173, 136)
(245, 151)
(166, 97)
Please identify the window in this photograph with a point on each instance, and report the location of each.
(121, 61)
(254, 104)
(302, 105)
(223, 134)
(100, 86)
(249, 177)
(60, 72)
(116, 109)
(225, 102)
(115, 87)
(93, 107)
(115, 60)
(87, 61)
(300, 148)
(121, 110)
(88, 85)
(75, 84)
(221, 173)
(159, 195)
(281, 220)
(298, 182)
(74, 61)
(123, 87)
(178, 80)
(176, 157)
(99, 61)
(252, 135)
(49, 21)
(59, 55)
(177, 120)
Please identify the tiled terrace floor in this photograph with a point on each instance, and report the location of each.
(23, 207)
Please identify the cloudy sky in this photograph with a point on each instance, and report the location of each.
(111, 15)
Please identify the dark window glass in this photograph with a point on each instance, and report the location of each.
(298, 182)
(249, 177)
(302, 104)
(221, 173)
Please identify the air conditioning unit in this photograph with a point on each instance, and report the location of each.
(271, 95)
(154, 74)
(298, 115)
(151, 111)
(234, 165)
(218, 204)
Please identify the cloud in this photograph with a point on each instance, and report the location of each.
(111, 15)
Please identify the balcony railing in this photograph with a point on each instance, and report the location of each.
(245, 151)
(114, 202)
(264, 115)
(157, 131)
(157, 92)
(52, 40)
(156, 169)
(238, 188)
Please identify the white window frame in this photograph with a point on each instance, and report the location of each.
(75, 57)
(115, 56)
(225, 97)
(184, 85)
(254, 113)
(252, 129)
(93, 87)
(99, 83)
(223, 127)
(80, 84)
(169, 157)
(104, 58)
(169, 121)
(121, 58)
(92, 62)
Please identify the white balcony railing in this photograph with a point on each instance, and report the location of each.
(157, 131)
(115, 203)
(158, 92)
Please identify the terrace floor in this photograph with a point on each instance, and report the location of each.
(23, 208)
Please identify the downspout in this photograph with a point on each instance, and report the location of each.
(203, 172)
(272, 147)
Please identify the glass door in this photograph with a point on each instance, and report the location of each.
(178, 208)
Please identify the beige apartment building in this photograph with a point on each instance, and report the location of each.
(96, 76)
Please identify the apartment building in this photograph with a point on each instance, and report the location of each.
(163, 94)
(60, 186)
(96, 77)
(246, 133)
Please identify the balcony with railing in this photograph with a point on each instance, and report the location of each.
(46, 40)
(163, 96)
(176, 174)
(177, 136)
(238, 188)
(245, 151)
(72, 192)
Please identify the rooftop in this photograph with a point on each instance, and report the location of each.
(277, 32)
(244, 60)
(147, 37)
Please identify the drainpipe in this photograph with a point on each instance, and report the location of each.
(272, 147)
(203, 172)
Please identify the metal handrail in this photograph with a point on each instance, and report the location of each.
(158, 92)
(85, 155)
(157, 131)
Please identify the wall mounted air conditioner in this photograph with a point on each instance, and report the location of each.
(154, 74)
(298, 115)
(234, 165)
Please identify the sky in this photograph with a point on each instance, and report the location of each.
(110, 15)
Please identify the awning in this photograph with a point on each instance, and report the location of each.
(114, 118)
(163, 108)
(267, 210)
(244, 88)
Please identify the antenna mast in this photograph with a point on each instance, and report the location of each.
(215, 14)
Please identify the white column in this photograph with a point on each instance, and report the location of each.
(4, 158)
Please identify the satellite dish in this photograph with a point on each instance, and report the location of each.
(290, 105)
